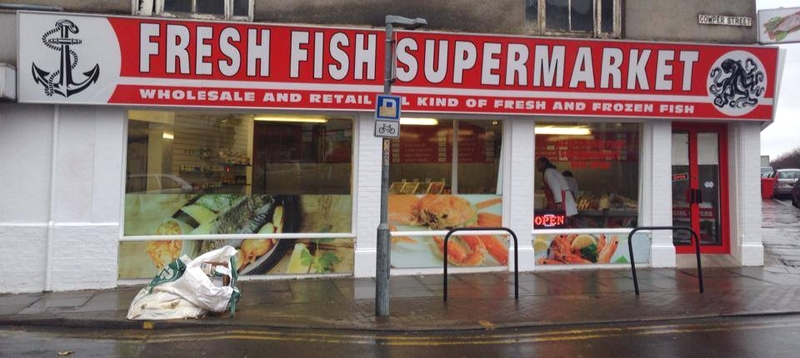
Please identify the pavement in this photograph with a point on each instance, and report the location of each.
(476, 301)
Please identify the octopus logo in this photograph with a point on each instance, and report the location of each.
(736, 83)
(62, 81)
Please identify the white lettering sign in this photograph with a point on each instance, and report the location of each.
(725, 20)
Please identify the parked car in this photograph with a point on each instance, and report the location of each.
(795, 194)
(767, 172)
(157, 184)
(786, 178)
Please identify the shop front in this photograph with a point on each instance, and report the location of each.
(260, 136)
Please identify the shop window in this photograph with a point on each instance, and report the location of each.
(597, 18)
(227, 175)
(205, 9)
(602, 160)
(594, 168)
(439, 182)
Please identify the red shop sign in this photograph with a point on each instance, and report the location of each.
(172, 62)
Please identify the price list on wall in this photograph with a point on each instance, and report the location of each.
(609, 147)
(422, 144)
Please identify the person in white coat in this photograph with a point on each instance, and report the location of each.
(573, 184)
(556, 188)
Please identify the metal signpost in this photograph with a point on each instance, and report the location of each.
(389, 122)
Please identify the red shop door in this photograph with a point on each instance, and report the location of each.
(700, 187)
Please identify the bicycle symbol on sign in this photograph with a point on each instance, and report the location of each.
(386, 128)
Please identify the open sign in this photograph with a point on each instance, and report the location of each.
(549, 219)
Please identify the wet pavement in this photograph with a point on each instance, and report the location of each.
(475, 301)
(780, 229)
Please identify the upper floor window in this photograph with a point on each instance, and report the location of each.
(202, 9)
(596, 18)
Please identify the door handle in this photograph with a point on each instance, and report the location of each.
(694, 196)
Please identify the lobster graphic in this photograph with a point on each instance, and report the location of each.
(62, 81)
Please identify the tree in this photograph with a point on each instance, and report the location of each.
(787, 160)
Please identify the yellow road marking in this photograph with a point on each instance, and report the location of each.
(433, 339)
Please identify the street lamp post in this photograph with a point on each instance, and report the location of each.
(384, 245)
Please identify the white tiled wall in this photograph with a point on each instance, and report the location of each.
(367, 195)
(71, 242)
(518, 187)
(745, 192)
(656, 184)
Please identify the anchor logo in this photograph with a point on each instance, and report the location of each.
(61, 81)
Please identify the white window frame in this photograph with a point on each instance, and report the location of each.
(156, 7)
(541, 24)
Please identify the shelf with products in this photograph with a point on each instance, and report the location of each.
(593, 202)
(211, 169)
(216, 178)
(188, 169)
(214, 170)
(605, 210)
(416, 187)
(610, 212)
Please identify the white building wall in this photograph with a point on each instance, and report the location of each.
(26, 133)
(744, 148)
(656, 199)
(75, 246)
(367, 200)
(518, 187)
(62, 236)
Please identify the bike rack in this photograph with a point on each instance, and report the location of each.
(672, 228)
(516, 255)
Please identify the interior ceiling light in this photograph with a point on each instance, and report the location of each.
(562, 130)
(419, 121)
(291, 119)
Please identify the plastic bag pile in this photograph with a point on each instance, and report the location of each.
(187, 289)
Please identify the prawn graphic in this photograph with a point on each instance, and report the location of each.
(568, 249)
(443, 212)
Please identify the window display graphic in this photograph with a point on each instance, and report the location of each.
(221, 214)
(440, 213)
(586, 249)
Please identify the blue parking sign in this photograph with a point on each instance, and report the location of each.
(387, 107)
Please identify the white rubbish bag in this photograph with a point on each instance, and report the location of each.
(185, 289)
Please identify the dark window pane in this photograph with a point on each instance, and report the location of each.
(607, 16)
(582, 16)
(532, 12)
(557, 15)
(241, 8)
(303, 158)
(599, 163)
(216, 7)
(178, 6)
